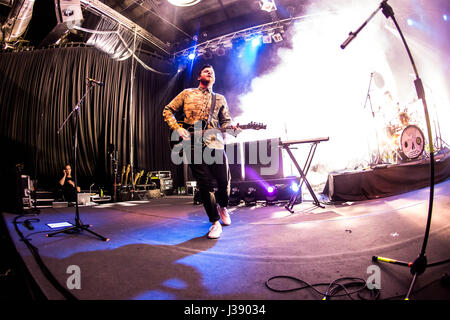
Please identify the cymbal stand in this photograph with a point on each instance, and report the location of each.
(368, 98)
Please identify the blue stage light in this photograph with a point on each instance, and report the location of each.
(191, 56)
(256, 41)
(295, 187)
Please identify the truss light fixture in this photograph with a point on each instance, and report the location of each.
(191, 56)
(227, 44)
(220, 51)
(208, 54)
(277, 37)
(267, 38)
(268, 5)
(184, 3)
(256, 41)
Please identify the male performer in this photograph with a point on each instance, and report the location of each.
(196, 104)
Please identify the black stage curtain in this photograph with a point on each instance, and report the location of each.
(40, 88)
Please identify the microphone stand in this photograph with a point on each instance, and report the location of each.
(35, 183)
(378, 161)
(420, 263)
(79, 226)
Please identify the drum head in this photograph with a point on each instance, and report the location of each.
(412, 142)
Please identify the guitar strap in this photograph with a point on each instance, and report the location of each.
(213, 106)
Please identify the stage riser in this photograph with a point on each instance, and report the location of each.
(384, 182)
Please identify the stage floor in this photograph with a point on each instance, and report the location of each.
(158, 249)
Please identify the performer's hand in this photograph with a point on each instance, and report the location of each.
(235, 129)
(184, 133)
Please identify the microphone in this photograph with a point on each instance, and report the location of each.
(351, 36)
(96, 82)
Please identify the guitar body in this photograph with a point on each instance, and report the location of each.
(175, 139)
(198, 129)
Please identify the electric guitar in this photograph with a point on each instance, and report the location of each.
(197, 131)
(138, 177)
(123, 173)
(126, 175)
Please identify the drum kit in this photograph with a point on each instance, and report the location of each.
(403, 139)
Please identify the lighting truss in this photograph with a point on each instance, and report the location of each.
(223, 42)
(98, 7)
(274, 29)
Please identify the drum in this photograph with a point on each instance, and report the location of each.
(412, 142)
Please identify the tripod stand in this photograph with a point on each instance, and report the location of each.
(420, 263)
(79, 226)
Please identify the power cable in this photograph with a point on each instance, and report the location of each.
(35, 252)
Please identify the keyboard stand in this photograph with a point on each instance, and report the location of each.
(286, 145)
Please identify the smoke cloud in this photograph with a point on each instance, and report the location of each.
(320, 90)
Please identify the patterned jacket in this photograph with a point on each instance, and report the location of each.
(196, 104)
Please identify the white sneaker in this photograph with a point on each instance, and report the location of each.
(224, 215)
(215, 231)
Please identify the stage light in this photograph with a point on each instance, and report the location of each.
(295, 187)
(267, 5)
(277, 37)
(445, 17)
(208, 54)
(220, 51)
(296, 192)
(191, 56)
(267, 38)
(256, 41)
(235, 197)
(250, 197)
(410, 22)
(227, 44)
(271, 194)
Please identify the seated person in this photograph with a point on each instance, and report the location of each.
(68, 185)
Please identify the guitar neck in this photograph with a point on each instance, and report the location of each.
(225, 129)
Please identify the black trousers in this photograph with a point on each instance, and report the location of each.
(70, 193)
(210, 177)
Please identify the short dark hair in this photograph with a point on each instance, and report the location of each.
(204, 67)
